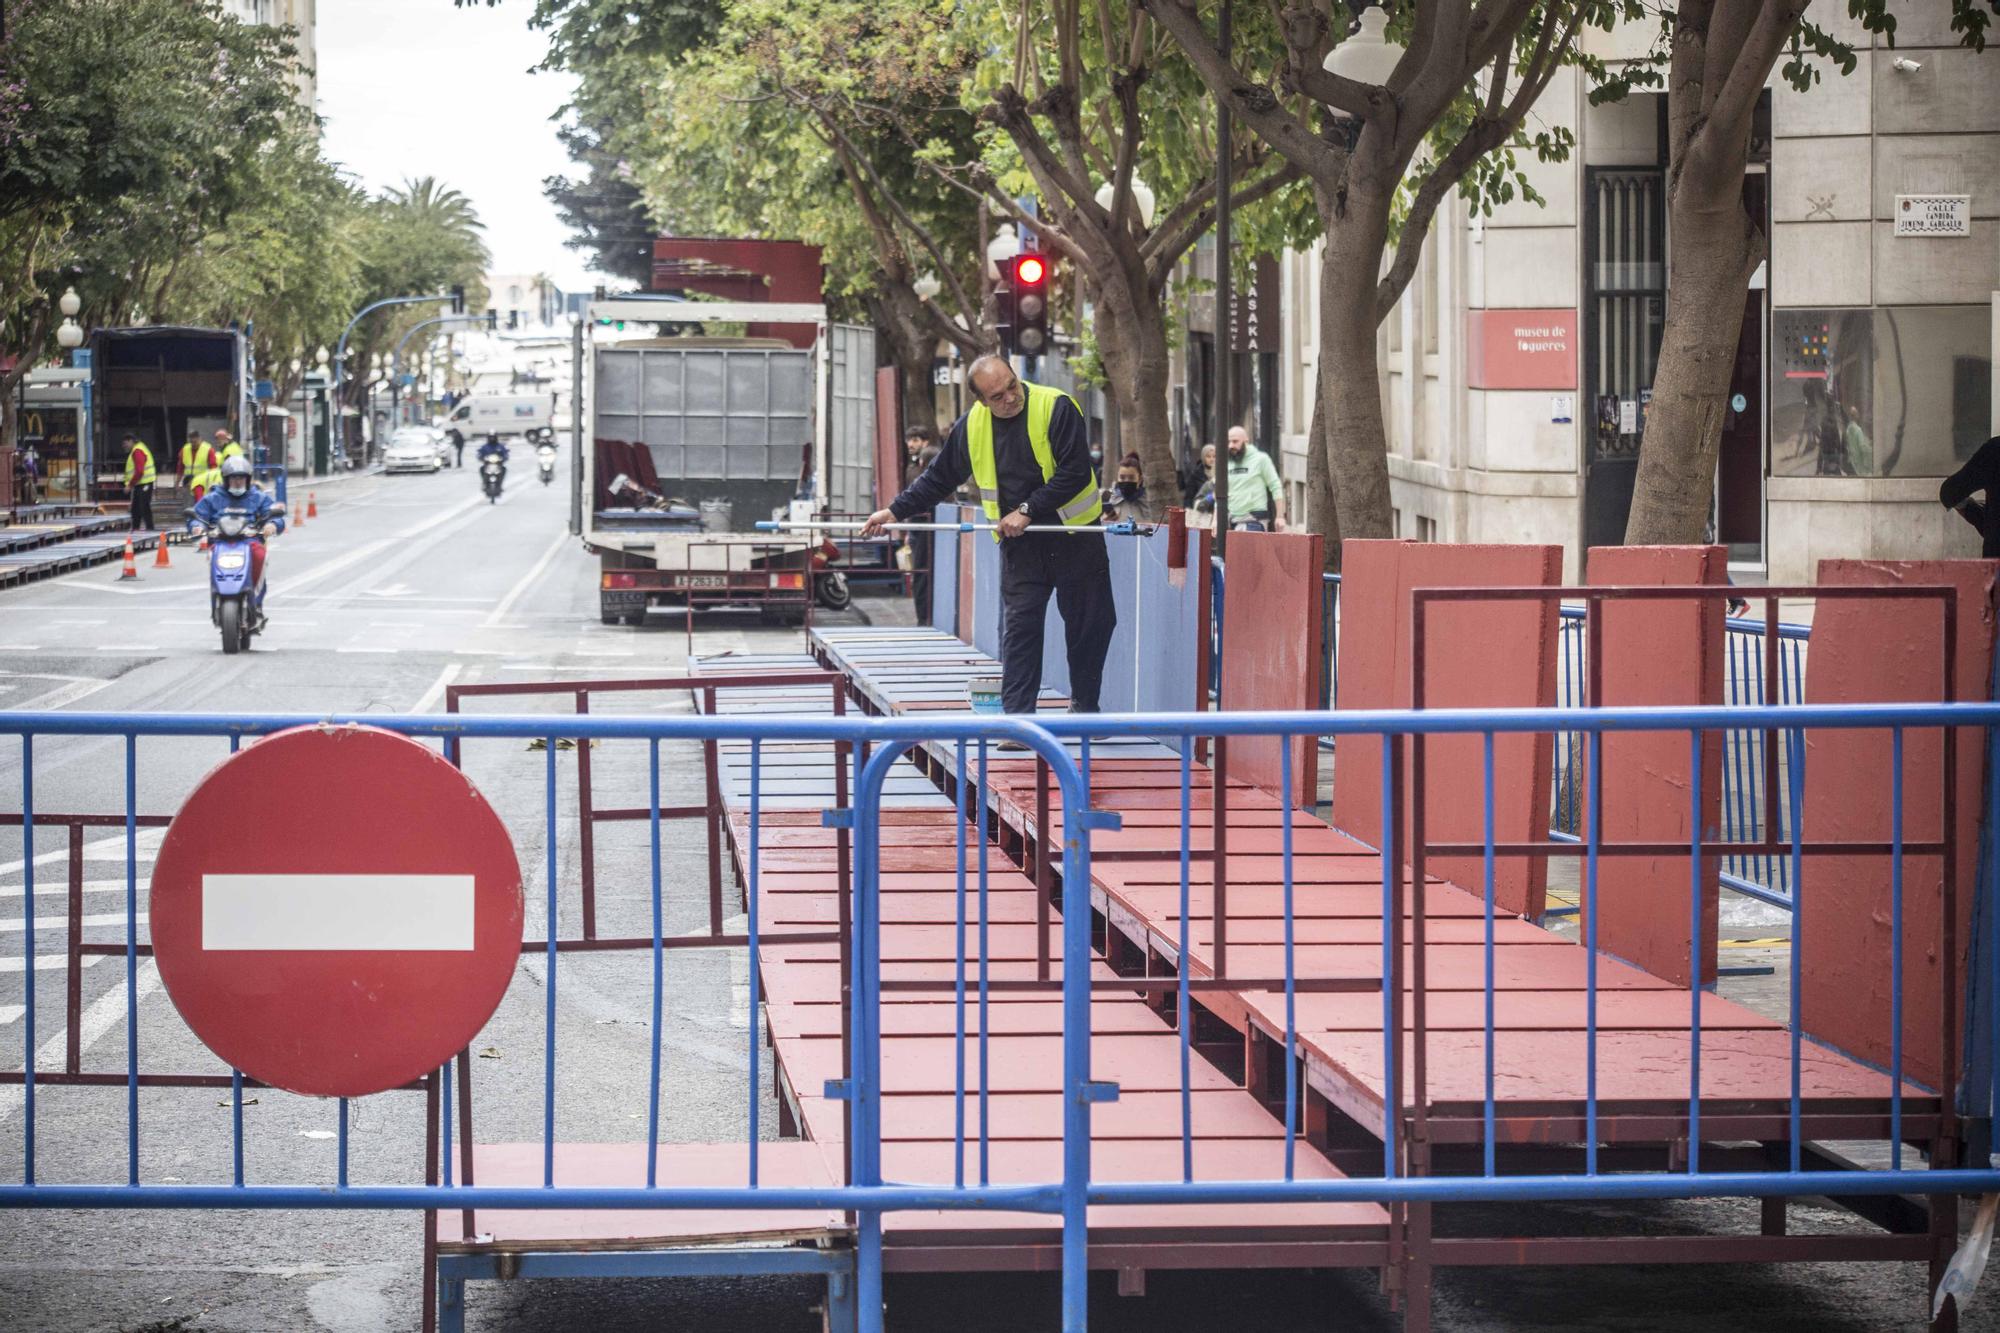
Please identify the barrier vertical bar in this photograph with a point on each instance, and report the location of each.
(1895, 948)
(1697, 953)
(1795, 796)
(1291, 970)
(236, 1126)
(1592, 825)
(73, 982)
(132, 955)
(28, 959)
(756, 784)
(586, 825)
(340, 1147)
(958, 981)
(1392, 930)
(1041, 869)
(985, 1013)
(865, 1144)
(659, 970)
(712, 776)
(1183, 1006)
(444, 1125)
(1769, 663)
(1076, 1061)
(549, 990)
(1486, 767)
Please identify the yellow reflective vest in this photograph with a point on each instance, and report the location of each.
(197, 457)
(139, 466)
(1081, 510)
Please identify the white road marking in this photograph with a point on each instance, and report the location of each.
(10, 1012)
(445, 677)
(50, 886)
(79, 622)
(63, 696)
(373, 549)
(128, 647)
(603, 652)
(104, 1013)
(45, 921)
(515, 593)
(323, 912)
(102, 849)
(48, 962)
(20, 647)
(367, 650)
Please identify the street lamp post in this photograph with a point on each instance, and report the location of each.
(340, 351)
(69, 337)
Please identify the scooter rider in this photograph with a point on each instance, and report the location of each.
(493, 448)
(238, 491)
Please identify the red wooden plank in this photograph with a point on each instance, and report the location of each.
(1271, 654)
(1461, 671)
(1867, 651)
(1662, 653)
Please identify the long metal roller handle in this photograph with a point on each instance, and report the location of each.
(1111, 529)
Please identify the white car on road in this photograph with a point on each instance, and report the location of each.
(412, 449)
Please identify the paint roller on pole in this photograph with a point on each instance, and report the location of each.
(1123, 529)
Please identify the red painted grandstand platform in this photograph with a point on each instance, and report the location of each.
(1610, 1049)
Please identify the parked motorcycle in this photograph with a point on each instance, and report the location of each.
(545, 460)
(236, 607)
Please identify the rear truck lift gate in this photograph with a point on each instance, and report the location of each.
(715, 434)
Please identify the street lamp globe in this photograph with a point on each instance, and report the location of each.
(322, 356)
(69, 336)
(1366, 55)
(70, 303)
(1006, 243)
(297, 365)
(1142, 195)
(927, 286)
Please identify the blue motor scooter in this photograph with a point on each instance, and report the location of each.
(236, 607)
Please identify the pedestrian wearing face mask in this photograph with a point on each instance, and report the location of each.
(1127, 501)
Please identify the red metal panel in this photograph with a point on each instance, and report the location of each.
(966, 555)
(888, 436)
(1477, 655)
(1884, 652)
(1271, 650)
(1657, 653)
(740, 269)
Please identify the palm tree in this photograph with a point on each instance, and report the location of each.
(429, 200)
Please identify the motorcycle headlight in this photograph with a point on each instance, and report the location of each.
(229, 560)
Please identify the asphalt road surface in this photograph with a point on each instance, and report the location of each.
(403, 586)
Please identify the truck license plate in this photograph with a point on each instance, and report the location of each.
(702, 581)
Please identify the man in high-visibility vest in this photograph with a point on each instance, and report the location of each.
(139, 478)
(1027, 448)
(226, 445)
(198, 456)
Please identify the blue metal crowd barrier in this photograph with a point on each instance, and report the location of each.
(877, 744)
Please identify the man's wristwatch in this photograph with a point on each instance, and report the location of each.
(1023, 510)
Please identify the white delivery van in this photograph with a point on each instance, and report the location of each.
(501, 414)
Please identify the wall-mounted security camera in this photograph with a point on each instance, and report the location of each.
(1907, 65)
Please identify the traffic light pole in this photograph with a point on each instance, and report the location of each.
(396, 357)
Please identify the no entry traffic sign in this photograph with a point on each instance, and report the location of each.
(336, 910)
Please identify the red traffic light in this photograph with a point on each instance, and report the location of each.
(1029, 271)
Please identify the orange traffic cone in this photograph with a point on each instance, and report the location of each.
(312, 504)
(131, 571)
(160, 561)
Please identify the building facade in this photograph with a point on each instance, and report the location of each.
(300, 14)
(1517, 369)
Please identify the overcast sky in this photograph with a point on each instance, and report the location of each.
(423, 88)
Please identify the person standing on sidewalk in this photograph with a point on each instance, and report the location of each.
(198, 458)
(140, 475)
(1027, 447)
(920, 450)
(1256, 495)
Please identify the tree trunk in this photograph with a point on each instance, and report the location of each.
(1716, 249)
(912, 348)
(1322, 504)
(1349, 385)
(1132, 342)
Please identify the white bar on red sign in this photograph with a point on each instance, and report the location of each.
(375, 913)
